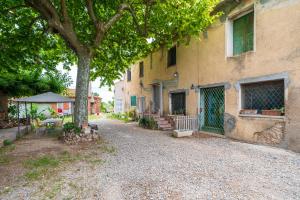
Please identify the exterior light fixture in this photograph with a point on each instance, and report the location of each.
(175, 74)
(192, 87)
(141, 84)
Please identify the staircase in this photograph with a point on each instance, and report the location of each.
(163, 123)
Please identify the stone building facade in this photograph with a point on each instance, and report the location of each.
(241, 77)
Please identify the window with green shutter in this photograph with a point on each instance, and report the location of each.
(243, 31)
(133, 100)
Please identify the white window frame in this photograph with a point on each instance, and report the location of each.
(229, 30)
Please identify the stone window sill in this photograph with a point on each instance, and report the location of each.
(280, 118)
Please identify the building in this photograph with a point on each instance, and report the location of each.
(240, 77)
(94, 103)
(119, 97)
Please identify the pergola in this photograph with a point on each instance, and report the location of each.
(48, 97)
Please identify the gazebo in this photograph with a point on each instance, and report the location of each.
(48, 97)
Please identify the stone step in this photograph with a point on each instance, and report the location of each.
(162, 122)
(167, 129)
(165, 126)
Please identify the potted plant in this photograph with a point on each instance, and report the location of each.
(248, 111)
(274, 112)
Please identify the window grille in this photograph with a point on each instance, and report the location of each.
(263, 95)
(212, 108)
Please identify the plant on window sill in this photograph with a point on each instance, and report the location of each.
(274, 112)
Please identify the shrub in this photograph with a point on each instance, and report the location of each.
(132, 115)
(7, 142)
(143, 122)
(70, 127)
(152, 123)
(149, 123)
(12, 111)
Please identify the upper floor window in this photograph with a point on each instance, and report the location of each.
(240, 33)
(128, 75)
(266, 98)
(243, 32)
(172, 56)
(141, 69)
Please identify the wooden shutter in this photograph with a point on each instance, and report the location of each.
(243, 32)
(133, 100)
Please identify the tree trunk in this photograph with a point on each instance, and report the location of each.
(82, 85)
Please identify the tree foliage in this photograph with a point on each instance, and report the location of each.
(114, 31)
(104, 37)
(26, 83)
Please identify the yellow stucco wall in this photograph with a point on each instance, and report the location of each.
(204, 62)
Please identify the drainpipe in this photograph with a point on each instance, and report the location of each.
(161, 99)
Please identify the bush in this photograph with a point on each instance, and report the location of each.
(12, 111)
(7, 142)
(149, 123)
(34, 114)
(70, 127)
(132, 115)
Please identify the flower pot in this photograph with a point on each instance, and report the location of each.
(248, 112)
(271, 112)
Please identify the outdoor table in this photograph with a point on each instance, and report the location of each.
(52, 121)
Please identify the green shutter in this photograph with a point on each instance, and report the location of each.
(243, 29)
(133, 100)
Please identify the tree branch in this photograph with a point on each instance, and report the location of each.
(116, 17)
(65, 29)
(64, 12)
(136, 22)
(90, 8)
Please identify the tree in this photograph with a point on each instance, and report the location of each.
(103, 37)
(25, 82)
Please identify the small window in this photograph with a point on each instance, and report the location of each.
(172, 57)
(243, 34)
(263, 97)
(141, 69)
(133, 100)
(128, 75)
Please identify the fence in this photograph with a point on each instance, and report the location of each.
(185, 123)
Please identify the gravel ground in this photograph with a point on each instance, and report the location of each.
(152, 165)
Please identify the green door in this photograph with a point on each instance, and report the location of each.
(212, 109)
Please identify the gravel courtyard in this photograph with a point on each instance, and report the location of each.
(145, 164)
(153, 165)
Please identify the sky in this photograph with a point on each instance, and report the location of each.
(104, 92)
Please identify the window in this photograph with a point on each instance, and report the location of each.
(243, 33)
(263, 96)
(133, 100)
(172, 56)
(141, 69)
(128, 75)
